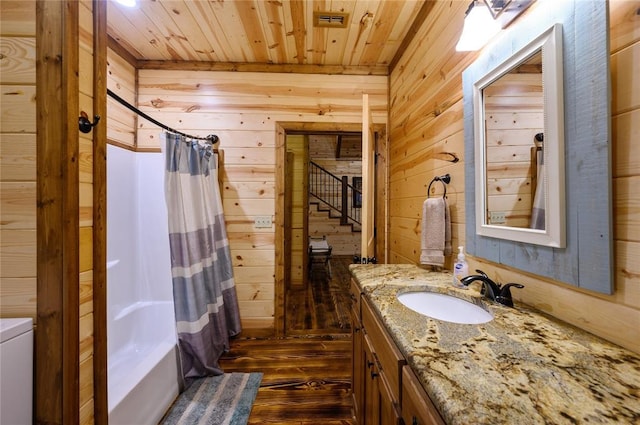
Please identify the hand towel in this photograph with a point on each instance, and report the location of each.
(447, 229)
(433, 231)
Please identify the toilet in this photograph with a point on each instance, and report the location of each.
(16, 371)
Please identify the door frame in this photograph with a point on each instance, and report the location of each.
(284, 127)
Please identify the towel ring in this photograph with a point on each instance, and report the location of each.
(444, 180)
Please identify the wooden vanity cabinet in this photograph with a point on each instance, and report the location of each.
(389, 357)
(377, 367)
(385, 390)
(417, 408)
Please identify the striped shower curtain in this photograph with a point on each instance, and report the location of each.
(204, 292)
(539, 203)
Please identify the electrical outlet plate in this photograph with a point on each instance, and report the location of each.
(262, 222)
(497, 217)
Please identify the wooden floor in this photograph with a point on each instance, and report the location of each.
(306, 380)
(322, 307)
(307, 375)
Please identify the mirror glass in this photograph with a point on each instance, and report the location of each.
(514, 134)
(518, 109)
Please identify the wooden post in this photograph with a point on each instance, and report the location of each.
(344, 209)
(58, 288)
(100, 400)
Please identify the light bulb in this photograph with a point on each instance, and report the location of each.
(128, 3)
(479, 28)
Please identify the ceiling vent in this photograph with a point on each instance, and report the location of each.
(330, 19)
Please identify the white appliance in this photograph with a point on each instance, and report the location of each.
(16, 371)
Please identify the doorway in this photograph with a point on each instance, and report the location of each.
(322, 229)
(310, 316)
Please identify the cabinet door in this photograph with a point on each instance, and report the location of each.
(357, 367)
(371, 411)
(417, 408)
(389, 409)
(380, 407)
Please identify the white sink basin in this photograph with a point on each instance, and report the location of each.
(445, 307)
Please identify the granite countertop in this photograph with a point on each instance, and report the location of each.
(523, 367)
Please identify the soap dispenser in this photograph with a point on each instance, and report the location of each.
(460, 269)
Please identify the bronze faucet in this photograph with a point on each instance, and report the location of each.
(492, 290)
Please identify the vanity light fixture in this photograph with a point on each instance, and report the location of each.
(479, 27)
(485, 18)
(128, 3)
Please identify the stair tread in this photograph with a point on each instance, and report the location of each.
(355, 227)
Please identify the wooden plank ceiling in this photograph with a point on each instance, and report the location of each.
(265, 31)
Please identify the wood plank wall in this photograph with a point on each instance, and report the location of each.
(18, 159)
(343, 241)
(121, 122)
(426, 119)
(86, 215)
(243, 109)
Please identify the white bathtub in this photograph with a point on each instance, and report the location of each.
(141, 341)
(142, 363)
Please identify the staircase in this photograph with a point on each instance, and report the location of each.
(335, 195)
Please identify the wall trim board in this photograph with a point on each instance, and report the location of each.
(100, 388)
(279, 322)
(129, 147)
(262, 67)
(57, 106)
(121, 51)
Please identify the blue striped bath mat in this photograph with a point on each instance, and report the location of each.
(216, 400)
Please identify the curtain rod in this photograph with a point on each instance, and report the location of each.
(212, 138)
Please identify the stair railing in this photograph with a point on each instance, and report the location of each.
(336, 193)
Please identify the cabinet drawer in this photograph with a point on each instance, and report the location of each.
(390, 358)
(417, 408)
(354, 294)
